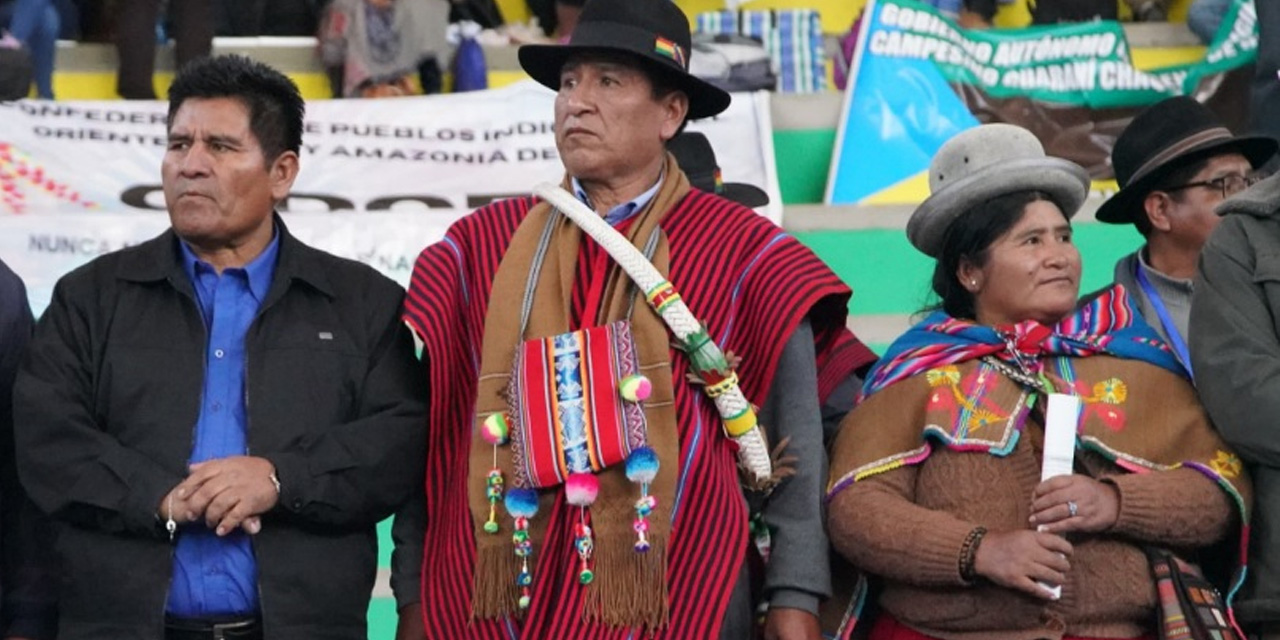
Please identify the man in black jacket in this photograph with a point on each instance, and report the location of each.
(28, 604)
(218, 417)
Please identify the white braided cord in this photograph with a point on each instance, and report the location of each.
(753, 450)
(679, 318)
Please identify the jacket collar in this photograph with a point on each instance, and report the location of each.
(161, 259)
(1260, 200)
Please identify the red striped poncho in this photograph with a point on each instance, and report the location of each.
(748, 280)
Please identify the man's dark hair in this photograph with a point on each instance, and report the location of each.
(274, 103)
(1181, 173)
(663, 85)
(969, 238)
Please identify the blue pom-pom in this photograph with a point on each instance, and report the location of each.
(521, 503)
(642, 465)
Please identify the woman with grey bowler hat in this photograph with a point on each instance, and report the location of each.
(936, 484)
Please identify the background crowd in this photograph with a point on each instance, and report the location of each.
(392, 47)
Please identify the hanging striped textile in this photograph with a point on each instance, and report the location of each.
(567, 412)
(793, 38)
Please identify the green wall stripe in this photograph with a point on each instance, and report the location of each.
(384, 544)
(803, 157)
(382, 618)
(889, 276)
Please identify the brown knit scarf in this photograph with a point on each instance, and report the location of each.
(630, 588)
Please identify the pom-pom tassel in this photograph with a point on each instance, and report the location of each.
(642, 468)
(581, 490)
(493, 490)
(522, 504)
(495, 430)
(635, 388)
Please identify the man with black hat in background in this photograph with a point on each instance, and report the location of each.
(1175, 162)
(697, 159)
(656, 546)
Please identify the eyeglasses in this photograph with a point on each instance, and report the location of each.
(1227, 185)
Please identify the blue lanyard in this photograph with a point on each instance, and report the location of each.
(1179, 345)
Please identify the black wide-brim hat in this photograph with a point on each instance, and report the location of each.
(697, 160)
(656, 32)
(1168, 135)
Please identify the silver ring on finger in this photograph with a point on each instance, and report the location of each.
(1072, 508)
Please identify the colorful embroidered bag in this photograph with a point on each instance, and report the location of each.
(567, 404)
(1190, 608)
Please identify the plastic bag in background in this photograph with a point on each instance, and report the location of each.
(15, 68)
(732, 62)
(470, 72)
(793, 38)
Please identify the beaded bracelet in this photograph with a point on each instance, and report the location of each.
(969, 552)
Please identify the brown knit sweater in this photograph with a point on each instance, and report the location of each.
(908, 524)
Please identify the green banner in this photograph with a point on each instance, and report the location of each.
(1086, 64)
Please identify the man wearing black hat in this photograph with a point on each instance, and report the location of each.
(697, 159)
(1175, 162)
(524, 530)
(1235, 347)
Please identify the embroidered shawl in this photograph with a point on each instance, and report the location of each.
(750, 282)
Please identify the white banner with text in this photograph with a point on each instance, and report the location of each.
(380, 179)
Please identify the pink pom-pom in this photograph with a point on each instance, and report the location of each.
(581, 489)
(635, 388)
(495, 430)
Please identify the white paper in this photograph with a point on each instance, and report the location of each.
(1061, 418)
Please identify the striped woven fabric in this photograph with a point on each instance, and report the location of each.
(748, 280)
(793, 38)
(569, 415)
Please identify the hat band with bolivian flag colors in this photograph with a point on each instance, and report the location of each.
(665, 47)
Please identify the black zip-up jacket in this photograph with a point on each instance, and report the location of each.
(28, 581)
(105, 410)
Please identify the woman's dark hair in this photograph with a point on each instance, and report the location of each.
(968, 239)
(274, 103)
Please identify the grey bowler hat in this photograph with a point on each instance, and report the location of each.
(986, 162)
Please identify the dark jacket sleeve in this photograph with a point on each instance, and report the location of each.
(362, 470)
(1235, 351)
(408, 532)
(798, 573)
(71, 468)
(28, 580)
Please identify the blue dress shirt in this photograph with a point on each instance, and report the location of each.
(215, 576)
(621, 212)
